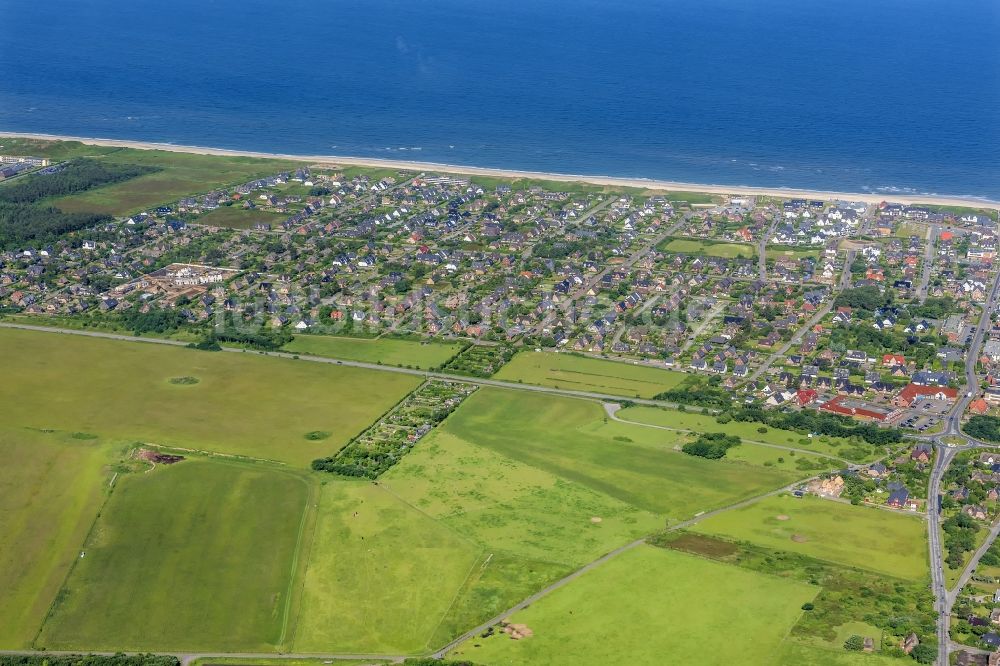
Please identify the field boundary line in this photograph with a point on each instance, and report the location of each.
(458, 592)
(311, 491)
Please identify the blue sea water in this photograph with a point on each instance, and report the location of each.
(857, 95)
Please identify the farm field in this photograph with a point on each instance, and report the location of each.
(581, 373)
(640, 605)
(669, 418)
(218, 543)
(182, 174)
(720, 249)
(242, 403)
(387, 351)
(237, 217)
(563, 436)
(381, 575)
(52, 485)
(837, 532)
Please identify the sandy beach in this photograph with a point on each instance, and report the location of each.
(611, 181)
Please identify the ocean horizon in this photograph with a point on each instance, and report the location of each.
(885, 97)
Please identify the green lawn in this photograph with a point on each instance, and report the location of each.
(566, 437)
(182, 174)
(381, 576)
(720, 249)
(670, 418)
(582, 373)
(194, 556)
(237, 217)
(243, 404)
(775, 251)
(387, 351)
(855, 536)
(55, 150)
(51, 487)
(792, 653)
(651, 606)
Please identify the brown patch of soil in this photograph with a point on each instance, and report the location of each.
(782, 517)
(155, 457)
(596, 519)
(518, 631)
(798, 538)
(703, 545)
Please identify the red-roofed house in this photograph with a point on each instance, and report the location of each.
(913, 392)
(979, 406)
(892, 360)
(806, 396)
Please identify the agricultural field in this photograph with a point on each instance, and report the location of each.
(233, 403)
(387, 351)
(640, 604)
(219, 544)
(564, 436)
(52, 485)
(237, 217)
(182, 174)
(581, 373)
(722, 249)
(669, 418)
(854, 536)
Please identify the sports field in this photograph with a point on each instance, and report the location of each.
(387, 351)
(51, 487)
(381, 576)
(181, 174)
(837, 532)
(566, 437)
(582, 373)
(243, 404)
(720, 249)
(198, 555)
(652, 606)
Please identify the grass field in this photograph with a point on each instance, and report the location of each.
(51, 487)
(582, 373)
(792, 251)
(237, 217)
(694, 422)
(566, 437)
(381, 576)
(855, 536)
(650, 606)
(722, 249)
(194, 556)
(792, 653)
(182, 174)
(243, 404)
(387, 351)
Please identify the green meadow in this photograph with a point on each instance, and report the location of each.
(181, 174)
(582, 373)
(52, 485)
(721, 249)
(198, 555)
(243, 403)
(237, 217)
(695, 422)
(387, 351)
(651, 606)
(565, 437)
(855, 536)
(381, 576)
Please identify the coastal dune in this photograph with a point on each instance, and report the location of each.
(610, 181)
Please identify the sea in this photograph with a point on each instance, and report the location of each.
(891, 96)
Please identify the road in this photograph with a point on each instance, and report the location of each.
(944, 600)
(925, 276)
(189, 657)
(762, 250)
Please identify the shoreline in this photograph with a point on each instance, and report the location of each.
(457, 169)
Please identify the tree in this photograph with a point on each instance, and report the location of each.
(855, 643)
(924, 654)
